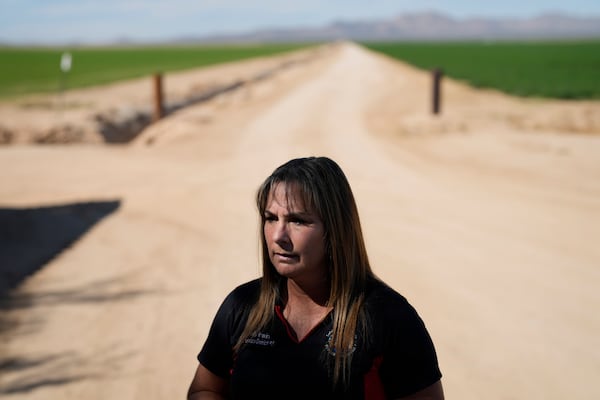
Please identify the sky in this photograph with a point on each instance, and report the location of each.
(104, 21)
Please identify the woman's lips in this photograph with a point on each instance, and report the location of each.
(286, 257)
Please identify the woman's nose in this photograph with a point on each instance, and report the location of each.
(280, 234)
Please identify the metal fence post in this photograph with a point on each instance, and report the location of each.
(158, 97)
(436, 96)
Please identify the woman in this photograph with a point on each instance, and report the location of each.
(318, 324)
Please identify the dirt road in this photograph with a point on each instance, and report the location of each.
(486, 218)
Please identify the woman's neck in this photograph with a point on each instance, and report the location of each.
(306, 306)
(315, 294)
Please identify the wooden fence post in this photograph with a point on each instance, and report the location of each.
(158, 97)
(436, 95)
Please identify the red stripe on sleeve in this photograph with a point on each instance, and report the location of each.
(372, 381)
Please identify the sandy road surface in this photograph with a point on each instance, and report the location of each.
(486, 218)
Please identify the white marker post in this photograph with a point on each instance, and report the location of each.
(66, 61)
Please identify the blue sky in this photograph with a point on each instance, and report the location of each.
(99, 21)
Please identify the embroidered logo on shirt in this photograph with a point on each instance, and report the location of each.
(260, 339)
(331, 349)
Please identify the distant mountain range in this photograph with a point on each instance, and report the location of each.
(424, 26)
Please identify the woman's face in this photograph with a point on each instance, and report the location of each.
(294, 235)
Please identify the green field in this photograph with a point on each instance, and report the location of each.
(566, 70)
(37, 70)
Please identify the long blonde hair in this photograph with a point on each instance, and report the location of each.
(325, 191)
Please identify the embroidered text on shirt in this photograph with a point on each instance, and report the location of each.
(260, 339)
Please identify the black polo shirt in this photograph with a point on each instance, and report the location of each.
(395, 359)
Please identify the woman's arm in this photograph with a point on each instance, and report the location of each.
(433, 392)
(207, 386)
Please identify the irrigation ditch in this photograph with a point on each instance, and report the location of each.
(121, 123)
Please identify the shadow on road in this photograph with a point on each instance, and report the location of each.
(30, 237)
(101, 291)
(34, 381)
(25, 374)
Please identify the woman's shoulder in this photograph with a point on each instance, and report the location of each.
(383, 301)
(378, 291)
(238, 302)
(246, 293)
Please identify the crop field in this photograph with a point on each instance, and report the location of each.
(37, 70)
(558, 69)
